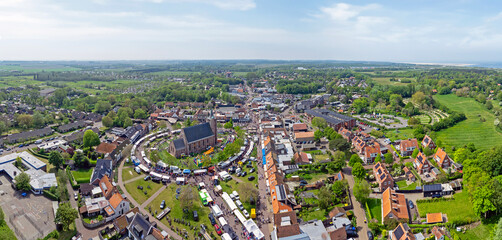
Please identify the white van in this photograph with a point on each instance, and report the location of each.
(236, 194)
(239, 205)
(137, 170)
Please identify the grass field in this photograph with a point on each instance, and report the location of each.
(482, 231)
(139, 194)
(166, 157)
(375, 206)
(386, 81)
(394, 135)
(458, 209)
(177, 212)
(472, 130)
(129, 173)
(424, 119)
(82, 175)
(312, 213)
(404, 186)
(5, 231)
(16, 81)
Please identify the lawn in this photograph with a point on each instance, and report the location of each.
(139, 194)
(424, 119)
(166, 157)
(311, 214)
(255, 174)
(5, 231)
(404, 186)
(459, 209)
(129, 173)
(399, 134)
(82, 175)
(481, 231)
(471, 130)
(177, 212)
(375, 206)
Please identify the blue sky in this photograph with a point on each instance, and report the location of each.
(390, 30)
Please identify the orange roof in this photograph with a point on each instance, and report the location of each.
(368, 150)
(115, 200)
(379, 170)
(299, 126)
(434, 217)
(409, 143)
(442, 155)
(395, 204)
(279, 207)
(109, 210)
(105, 148)
(267, 141)
(105, 185)
(304, 135)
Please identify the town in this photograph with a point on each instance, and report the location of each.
(276, 154)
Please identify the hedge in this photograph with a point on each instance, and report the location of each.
(71, 179)
(368, 210)
(50, 195)
(82, 180)
(38, 154)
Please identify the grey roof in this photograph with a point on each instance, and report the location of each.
(432, 188)
(72, 126)
(79, 135)
(179, 144)
(103, 167)
(315, 230)
(30, 134)
(139, 226)
(330, 116)
(197, 132)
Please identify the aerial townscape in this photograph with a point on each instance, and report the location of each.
(250, 120)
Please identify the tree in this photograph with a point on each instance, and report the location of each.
(358, 171)
(489, 105)
(24, 120)
(339, 144)
(38, 120)
(325, 197)
(229, 124)
(107, 121)
(319, 122)
(461, 155)
(362, 191)
(23, 181)
(56, 159)
(140, 114)
(102, 107)
(91, 139)
(339, 188)
(415, 153)
(187, 197)
(318, 135)
(3, 127)
(389, 159)
(354, 159)
(79, 158)
(418, 98)
(127, 122)
(248, 192)
(66, 215)
(360, 105)
(497, 232)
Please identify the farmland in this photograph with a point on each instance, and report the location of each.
(471, 130)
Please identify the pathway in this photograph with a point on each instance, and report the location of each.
(362, 227)
(141, 209)
(134, 179)
(155, 195)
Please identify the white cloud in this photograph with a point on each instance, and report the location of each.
(241, 5)
(345, 11)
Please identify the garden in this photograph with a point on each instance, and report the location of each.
(458, 210)
(403, 185)
(82, 175)
(374, 209)
(142, 190)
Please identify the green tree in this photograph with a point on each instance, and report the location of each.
(497, 232)
(362, 191)
(354, 159)
(91, 139)
(389, 159)
(229, 124)
(56, 159)
(187, 197)
(489, 105)
(38, 120)
(3, 127)
(79, 158)
(23, 181)
(107, 121)
(360, 105)
(66, 215)
(318, 135)
(378, 159)
(461, 155)
(415, 153)
(102, 107)
(140, 114)
(325, 197)
(339, 188)
(127, 122)
(319, 122)
(358, 171)
(24, 120)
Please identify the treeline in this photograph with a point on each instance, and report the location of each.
(451, 120)
(302, 86)
(71, 77)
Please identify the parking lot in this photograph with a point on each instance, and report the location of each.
(30, 217)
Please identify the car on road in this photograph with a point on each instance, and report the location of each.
(245, 212)
(21, 145)
(370, 235)
(163, 204)
(217, 228)
(8, 149)
(75, 196)
(410, 203)
(251, 178)
(211, 218)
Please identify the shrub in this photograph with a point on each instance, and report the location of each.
(50, 195)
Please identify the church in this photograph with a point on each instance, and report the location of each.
(194, 139)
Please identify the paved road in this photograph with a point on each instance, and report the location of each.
(141, 209)
(86, 233)
(359, 212)
(265, 210)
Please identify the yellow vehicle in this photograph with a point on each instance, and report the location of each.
(253, 213)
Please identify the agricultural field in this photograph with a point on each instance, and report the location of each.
(471, 130)
(459, 209)
(177, 211)
(139, 195)
(33, 68)
(17, 81)
(386, 81)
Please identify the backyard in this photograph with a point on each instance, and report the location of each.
(458, 210)
(375, 207)
(403, 133)
(471, 130)
(403, 185)
(82, 175)
(177, 212)
(139, 195)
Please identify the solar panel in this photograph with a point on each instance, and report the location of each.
(379, 171)
(399, 232)
(426, 140)
(382, 176)
(377, 165)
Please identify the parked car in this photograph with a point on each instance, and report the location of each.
(147, 178)
(243, 174)
(137, 170)
(75, 196)
(21, 145)
(410, 203)
(211, 218)
(370, 235)
(252, 170)
(217, 228)
(251, 178)
(195, 216)
(163, 204)
(245, 212)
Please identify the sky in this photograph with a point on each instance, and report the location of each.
(441, 31)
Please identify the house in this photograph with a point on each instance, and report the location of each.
(315, 230)
(195, 139)
(428, 143)
(438, 233)
(371, 152)
(285, 225)
(78, 136)
(301, 158)
(383, 177)
(300, 127)
(334, 120)
(86, 189)
(394, 206)
(118, 206)
(442, 159)
(103, 168)
(434, 218)
(24, 136)
(140, 228)
(422, 164)
(407, 147)
(432, 190)
(107, 188)
(105, 148)
(134, 133)
(402, 232)
(346, 134)
(409, 175)
(359, 144)
(304, 140)
(72, 126)
(123, 221)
